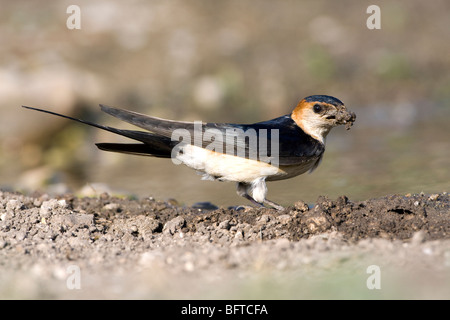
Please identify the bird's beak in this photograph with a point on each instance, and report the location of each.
(342, 116)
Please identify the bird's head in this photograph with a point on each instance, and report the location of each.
(316, 115)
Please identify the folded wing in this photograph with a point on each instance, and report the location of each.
(278, 140)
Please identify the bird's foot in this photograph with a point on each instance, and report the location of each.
(273, 205)
(265, 203)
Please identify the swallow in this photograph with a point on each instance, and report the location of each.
(248, 154)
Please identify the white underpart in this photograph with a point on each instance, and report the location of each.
(226, 167)
(258, 190)
(315, 126)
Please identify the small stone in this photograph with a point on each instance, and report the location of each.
(418, 237)
(317, 222)
(51, 205)
(225, 225)
(284, 218)
(21, 235)
(111, 206)
(264, 218)
(70, 220)
(239, 235)
(13, 205)
(173, 225)
(301, 206)
(173, 202)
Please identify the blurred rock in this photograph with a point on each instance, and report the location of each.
(208, 92)
(94, 189)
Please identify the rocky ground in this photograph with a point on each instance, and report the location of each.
(111, 247)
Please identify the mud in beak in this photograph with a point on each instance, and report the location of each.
(343, 116)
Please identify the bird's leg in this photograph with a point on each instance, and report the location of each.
(242, 190)
(248, 197)
(273, 205)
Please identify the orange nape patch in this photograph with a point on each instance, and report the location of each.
(297, 114)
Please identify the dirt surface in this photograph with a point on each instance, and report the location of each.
(144, 248)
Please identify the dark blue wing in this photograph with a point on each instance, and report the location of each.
(279, 140)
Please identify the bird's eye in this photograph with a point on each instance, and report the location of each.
(317, 108)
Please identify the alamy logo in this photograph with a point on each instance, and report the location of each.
(374, 280)
(261, 145)
(74, 20)
(73, 280)
(374, 20)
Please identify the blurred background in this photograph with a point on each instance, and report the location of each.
(224, 61)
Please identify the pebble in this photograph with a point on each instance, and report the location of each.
(264, 218)
(418, 238)
(111, 206)
(21, 235)
(173, 225)
(239, 235)
(51, 205)
(225, 225)
(301, 206)
(284, 218)
(13, 205)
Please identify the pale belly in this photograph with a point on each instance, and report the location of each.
(226, 167)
